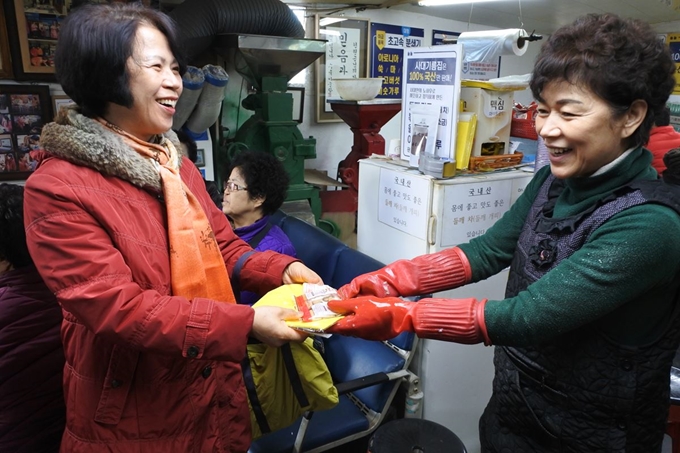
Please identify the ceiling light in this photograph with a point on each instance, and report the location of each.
(325, 21)
(449, 2)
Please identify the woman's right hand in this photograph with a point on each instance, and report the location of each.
(270, 328)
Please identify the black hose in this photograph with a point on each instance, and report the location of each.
(199, 21)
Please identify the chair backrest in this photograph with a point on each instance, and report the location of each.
(334, 261)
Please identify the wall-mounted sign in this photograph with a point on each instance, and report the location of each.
(346, 57)
(387, 54)
(342, 59)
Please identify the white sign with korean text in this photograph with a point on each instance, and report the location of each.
(403, 202)
(398, 41)
(482, 70)
(432, 82)
(342, 59)
(472, 208)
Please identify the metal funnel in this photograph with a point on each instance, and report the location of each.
(271, 56)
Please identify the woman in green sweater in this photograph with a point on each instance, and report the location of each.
(587, 332)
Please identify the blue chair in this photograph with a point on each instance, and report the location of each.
(366, 373)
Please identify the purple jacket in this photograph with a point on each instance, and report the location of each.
(275, 240)
(32, 412)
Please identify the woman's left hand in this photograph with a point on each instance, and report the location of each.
(299, 273)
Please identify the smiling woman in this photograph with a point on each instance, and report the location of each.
(155, 85)
(581, 130)
(123, 231)
(588, 329)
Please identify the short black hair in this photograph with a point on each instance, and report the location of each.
(190, 143)
(12, 234)
(265, 176)
(95, 43)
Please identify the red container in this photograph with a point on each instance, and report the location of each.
(523, 122)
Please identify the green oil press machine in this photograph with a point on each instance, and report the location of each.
(268, 63)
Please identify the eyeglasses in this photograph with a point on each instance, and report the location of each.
(231, 186)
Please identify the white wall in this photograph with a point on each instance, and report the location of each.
(334, 140)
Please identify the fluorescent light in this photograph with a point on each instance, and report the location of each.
(324, 21)
(450, 2)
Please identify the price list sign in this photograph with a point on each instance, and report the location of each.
(472, 208)
(403, 202)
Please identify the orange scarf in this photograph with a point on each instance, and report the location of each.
(197, 268)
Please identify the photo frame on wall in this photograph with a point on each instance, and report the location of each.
(24, 110)
(59, 101)
(347, 56)
(33, 30)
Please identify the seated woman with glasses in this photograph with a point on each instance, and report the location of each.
(255, 189)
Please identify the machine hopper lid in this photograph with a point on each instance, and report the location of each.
(272, 55)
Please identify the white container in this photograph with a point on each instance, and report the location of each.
(363, 89)
(494, 114)
(426, 215)
(413, 406)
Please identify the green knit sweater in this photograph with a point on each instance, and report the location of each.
(620, 279)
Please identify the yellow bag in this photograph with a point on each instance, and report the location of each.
(282, 383)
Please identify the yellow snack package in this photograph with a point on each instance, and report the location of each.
(309, 299)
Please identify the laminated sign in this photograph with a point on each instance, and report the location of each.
(430, 101)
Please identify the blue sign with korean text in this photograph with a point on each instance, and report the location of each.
(388, 43)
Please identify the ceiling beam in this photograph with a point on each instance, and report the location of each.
(388, 3)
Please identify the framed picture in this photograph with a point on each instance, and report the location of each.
(5, 60)
(347, 56)
(33, 29)
(59, 101)
(24, 109)
(298, 102)
(200, 158)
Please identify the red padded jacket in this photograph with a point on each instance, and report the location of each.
(146, 371)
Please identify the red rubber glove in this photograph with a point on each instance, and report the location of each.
(376, 318)
(423, 274)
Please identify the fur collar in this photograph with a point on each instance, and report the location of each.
(83, 141)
